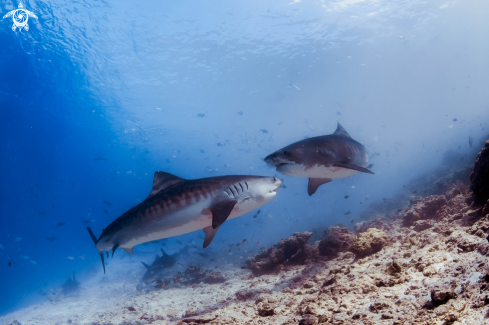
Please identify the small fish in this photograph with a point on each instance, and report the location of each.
(190, 268)
(347, 213)
(283, 186)
(263, 131)
(9, 263)
(82, 257)
(353, 221)
(70, 258)
(107, 202)
(258, 212)
(347, 196)
(455, 120)
(399, 210)
(60, 223)
(243, 241)
(220, 144)
(309, 125)
(99, 159)
(240, 113)
(338, 113)
(291, 85)
(255, 216)
(18, 239)
(202, 151)
(471, 141)
(201, 115)
(258, 243)
(106, 212)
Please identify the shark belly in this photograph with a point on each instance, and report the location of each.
(181, 222)
(316, 171)
(177, 223)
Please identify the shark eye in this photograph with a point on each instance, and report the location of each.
(274, 179)
(286, 153)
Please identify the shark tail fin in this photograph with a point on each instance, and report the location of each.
(95, 240)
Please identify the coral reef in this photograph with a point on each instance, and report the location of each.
(336, 240)
(369, 242)
(480, 174)
(423, 208)
(289, 251)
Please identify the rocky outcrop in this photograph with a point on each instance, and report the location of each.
(369, 242)
(480, 174)
(423, 208)
(289, 251)
(336, 240)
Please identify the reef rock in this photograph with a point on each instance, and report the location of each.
(336, 240)
(369, 242)
(287, 251)
(423, 208)
(480, 175)
(377, 223)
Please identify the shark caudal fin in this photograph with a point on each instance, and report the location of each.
(95, 240)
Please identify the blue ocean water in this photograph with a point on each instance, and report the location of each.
(97, 96)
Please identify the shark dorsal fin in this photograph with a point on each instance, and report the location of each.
(341, 131)
(162, 181)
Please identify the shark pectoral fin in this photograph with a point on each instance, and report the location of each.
(146, 266)
(116, 246)
(162, 181)
(314, 183)
(220, 212)
(209, 235)
(353, 166)
(128, 249)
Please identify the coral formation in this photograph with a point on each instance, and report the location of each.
(423, 208)
(369, 242)
(289, 251)
(336, 240)
(480, 174)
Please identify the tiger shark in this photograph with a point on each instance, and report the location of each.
(322, 158)
(178, 206)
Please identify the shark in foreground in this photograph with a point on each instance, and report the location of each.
(321, 158)
(178, 206)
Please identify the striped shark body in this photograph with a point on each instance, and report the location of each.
(321, 159)
(177, 206)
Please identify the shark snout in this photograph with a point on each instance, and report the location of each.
(277, 160)
(278, 183)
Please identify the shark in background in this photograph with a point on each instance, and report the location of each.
(162, 263)
(321, 158)
(177, 206)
